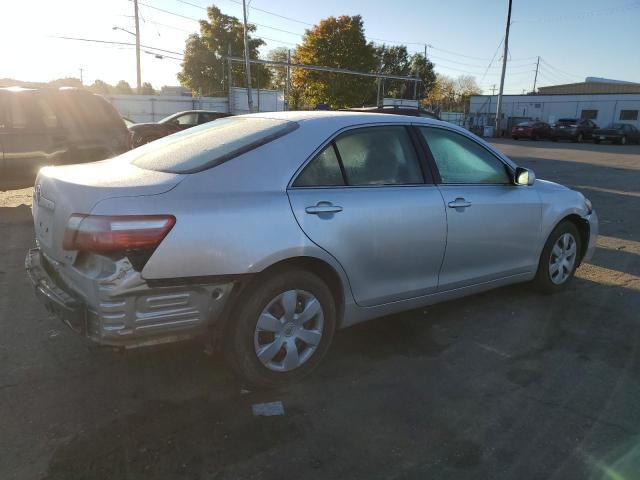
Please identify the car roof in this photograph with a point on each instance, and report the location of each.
(343, 117)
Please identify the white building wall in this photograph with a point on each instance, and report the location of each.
(550, 108)
(263, 100)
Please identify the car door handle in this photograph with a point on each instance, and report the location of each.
(323, 207)
(459, 203)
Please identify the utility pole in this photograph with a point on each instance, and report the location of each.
(493, 89)
(288, 85)
(247, 64)
(535, 79)
(504, 69)
(138, 76)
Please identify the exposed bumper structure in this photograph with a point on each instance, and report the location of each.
(592, 218)
(121, 308)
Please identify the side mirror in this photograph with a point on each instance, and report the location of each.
(524, 176)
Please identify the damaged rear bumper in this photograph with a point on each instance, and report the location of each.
(119, 308)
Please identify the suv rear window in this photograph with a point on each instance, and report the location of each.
(210, 144)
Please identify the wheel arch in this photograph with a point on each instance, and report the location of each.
(339, 289)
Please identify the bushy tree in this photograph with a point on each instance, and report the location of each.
(396, 60)
(452, 94)
(101, 87)
(123, 88)
(204, 69)
(338, 43)
(147, 89)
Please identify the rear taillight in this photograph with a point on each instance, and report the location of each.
(123, 233)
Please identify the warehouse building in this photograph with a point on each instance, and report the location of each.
(601, 100)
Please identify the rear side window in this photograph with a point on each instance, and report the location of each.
(379, 156)
(323, 171)
(210, 144)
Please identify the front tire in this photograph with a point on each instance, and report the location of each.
(281, 330)
(559, 259)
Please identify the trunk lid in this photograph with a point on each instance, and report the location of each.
(62, 191)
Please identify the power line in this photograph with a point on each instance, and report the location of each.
(115, 43)
(560, 71)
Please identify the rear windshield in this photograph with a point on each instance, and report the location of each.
(210, 144)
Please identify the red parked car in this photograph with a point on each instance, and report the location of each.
(532, 130)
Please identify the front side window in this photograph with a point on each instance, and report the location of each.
(322, 171)
(379, 156)
(461, 160)
(589, 114)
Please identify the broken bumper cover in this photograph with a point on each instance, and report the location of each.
(123, 310)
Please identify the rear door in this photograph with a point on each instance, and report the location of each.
(493, 225)
(364, 199)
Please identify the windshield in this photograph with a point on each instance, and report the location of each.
(210, 144)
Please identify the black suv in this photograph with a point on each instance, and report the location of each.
(573, 129)
(50, 126)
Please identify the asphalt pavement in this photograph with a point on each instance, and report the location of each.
(508, 384)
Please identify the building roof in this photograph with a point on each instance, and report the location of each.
(590, 86)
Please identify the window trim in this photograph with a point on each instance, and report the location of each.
(434, 166)
(428, 180)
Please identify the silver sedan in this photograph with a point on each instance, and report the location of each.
(267, 232)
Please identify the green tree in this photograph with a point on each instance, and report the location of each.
(123, 87)
(147, 89)
(101, 87)
(279, 77)
(396, 60)
(204, 69)
(338, 43)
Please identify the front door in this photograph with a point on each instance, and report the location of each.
(493, 225)
(364, 199)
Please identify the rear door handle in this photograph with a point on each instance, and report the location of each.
(323, 207)
(459, 203)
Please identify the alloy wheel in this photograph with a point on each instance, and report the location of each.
(289, 330)
(563, 258)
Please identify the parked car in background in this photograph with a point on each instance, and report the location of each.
(142, 133)
(396, 110)
(50, 126)
(267, 232)
(573, 129)
(532, 130)
(621, 133)
(128, 122)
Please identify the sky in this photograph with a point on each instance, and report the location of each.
(574, 38)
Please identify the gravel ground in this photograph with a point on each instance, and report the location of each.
(507, 384)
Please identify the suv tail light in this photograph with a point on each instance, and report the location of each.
(102, 234)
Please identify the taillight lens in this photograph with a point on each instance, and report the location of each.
(103, 234)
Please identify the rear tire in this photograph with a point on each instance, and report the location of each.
(270, 321)
(559, 259)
